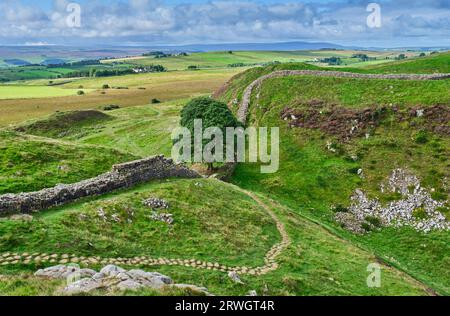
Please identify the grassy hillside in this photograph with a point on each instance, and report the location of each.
(313, 179)
(30, 163)
(140, 130)
(213, 221)
(439, 63)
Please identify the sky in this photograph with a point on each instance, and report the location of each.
(390, 23)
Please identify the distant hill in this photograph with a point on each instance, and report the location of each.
(284, 46)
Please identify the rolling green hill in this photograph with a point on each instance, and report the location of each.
(324, 159)
(30, 163)
(436, 63)
(320, 159)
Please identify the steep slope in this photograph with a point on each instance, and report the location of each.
(342, 134)
(213, 222)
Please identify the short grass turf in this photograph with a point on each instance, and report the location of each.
(312, 180)
(30, 163)
(213, 221)
(27, 92)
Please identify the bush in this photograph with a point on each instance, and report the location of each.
(366, 227)
(375, 221)
(420, 213)
(155, 101)
(192, 67)
(105, 86)
(111, 107)
(340, 209)
(422, 137)
(80, 92)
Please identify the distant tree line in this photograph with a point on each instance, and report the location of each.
(76, 63)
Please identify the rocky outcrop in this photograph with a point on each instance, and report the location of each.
(416, 208)
(121, 176)
(112, 278)
(246, 98)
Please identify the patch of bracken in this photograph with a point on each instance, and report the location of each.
(334, 120)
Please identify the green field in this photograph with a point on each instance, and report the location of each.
(249, 58)
(125, 91)
(27, 92)
(220, 222)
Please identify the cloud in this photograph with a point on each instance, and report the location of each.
(235, 21)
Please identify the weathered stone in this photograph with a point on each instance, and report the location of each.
(122, 176)
(112, 270)
(83, 286)
(235, 277)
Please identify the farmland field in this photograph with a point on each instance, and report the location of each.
(125, 91)
(27, 92)
(228, 59)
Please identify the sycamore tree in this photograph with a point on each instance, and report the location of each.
(212, 113)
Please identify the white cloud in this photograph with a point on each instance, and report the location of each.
(151, 20)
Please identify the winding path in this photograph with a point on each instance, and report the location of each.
(270, 259)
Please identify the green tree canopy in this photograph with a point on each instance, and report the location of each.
(213, 114)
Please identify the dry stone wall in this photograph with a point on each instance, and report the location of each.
(121, 176)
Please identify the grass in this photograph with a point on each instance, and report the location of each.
(216, 230)
(248, 58)
(66, 124)
(30, 163)
(140, 130)
(141, 89)
(27, 92)
(438, 63)
(311, 180)
(212, 221)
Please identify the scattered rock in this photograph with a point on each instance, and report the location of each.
(166, 218)
(111, 270)
(365, 213)
(21, 217)
(112, 277)
(156, 203)
(235, 277)
(193, 289)
(82, 286)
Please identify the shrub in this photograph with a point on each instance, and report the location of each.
(192, 67)
(339, 208)
(375, 221)
(421, 137)
(111, 107)
(80, 92)
(366, 227)
(105, 86)
(420, 213)
(155, 101)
